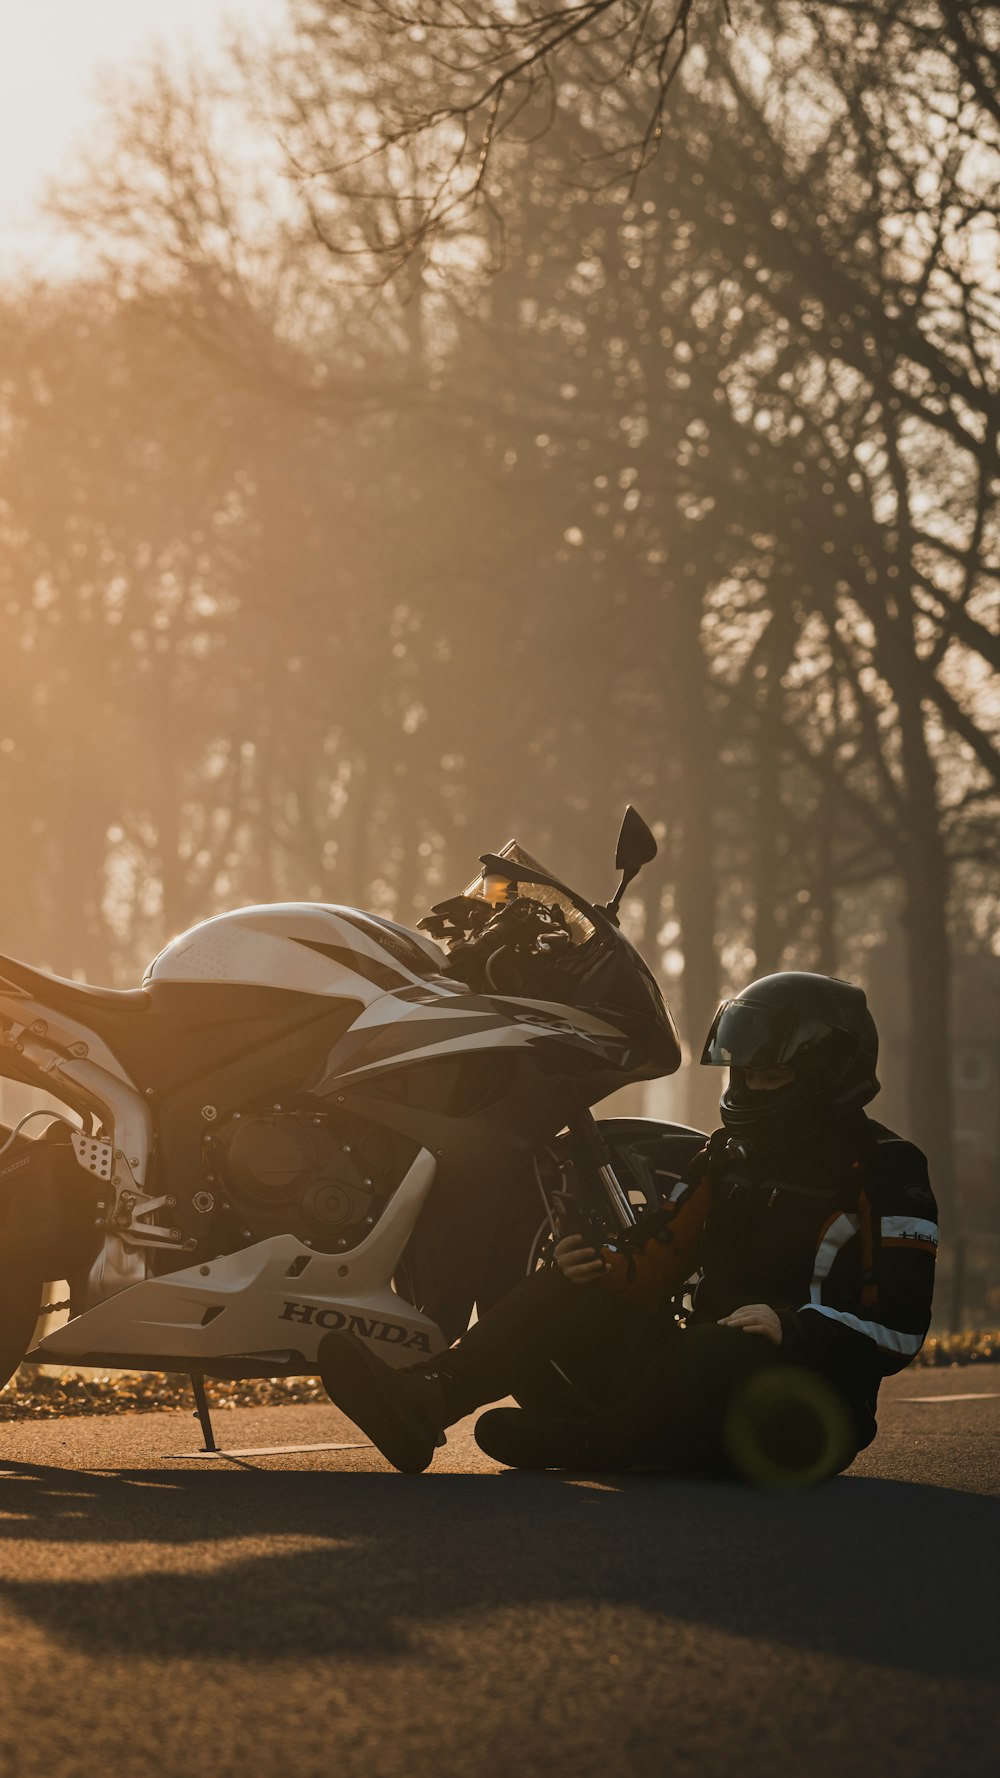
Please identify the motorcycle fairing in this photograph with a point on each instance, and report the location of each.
(449, 1024)
(306, 946)
(272, 1302)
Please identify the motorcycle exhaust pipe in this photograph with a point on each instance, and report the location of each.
(42, 1252)
(48, 1224)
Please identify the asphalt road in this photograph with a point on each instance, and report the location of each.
(319, 1614)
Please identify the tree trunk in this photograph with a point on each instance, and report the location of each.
(767, 817)
(700, 995)
(696, 878)
(929, 1082)
(824, 898)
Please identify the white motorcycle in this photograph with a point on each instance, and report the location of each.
(309, 1117)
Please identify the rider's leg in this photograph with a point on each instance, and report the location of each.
(585, 1330)
(681, 1416)
(672, 1416)
(677, 1412)
(591, 1335)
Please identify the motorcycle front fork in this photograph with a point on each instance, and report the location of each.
(592, 1156)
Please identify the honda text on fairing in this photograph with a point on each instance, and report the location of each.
(309, 1117)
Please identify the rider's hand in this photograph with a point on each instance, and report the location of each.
(755, 1318)
(580, 1264)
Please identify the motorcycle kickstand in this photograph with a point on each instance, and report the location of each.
(203, 1412)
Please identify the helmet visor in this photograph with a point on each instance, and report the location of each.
(746, 1035)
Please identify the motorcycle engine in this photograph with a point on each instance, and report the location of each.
(290, 1172)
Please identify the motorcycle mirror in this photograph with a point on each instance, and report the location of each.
(636, 847)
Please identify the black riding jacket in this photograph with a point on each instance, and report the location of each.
(839, 1236)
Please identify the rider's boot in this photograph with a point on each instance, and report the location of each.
(403, 1412)
(525, 1440)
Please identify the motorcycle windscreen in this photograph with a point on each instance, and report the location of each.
(482, 889)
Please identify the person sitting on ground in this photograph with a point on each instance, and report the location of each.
(814, 1235)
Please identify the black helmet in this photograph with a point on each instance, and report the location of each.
(815, 1024)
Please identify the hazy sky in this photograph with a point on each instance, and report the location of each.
(51, 54)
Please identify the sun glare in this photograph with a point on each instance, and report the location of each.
(56, 54)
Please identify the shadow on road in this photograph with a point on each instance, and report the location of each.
(889, 1573)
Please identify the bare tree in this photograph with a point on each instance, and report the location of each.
(444, 97)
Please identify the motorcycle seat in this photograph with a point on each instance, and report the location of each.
(95, 1006)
